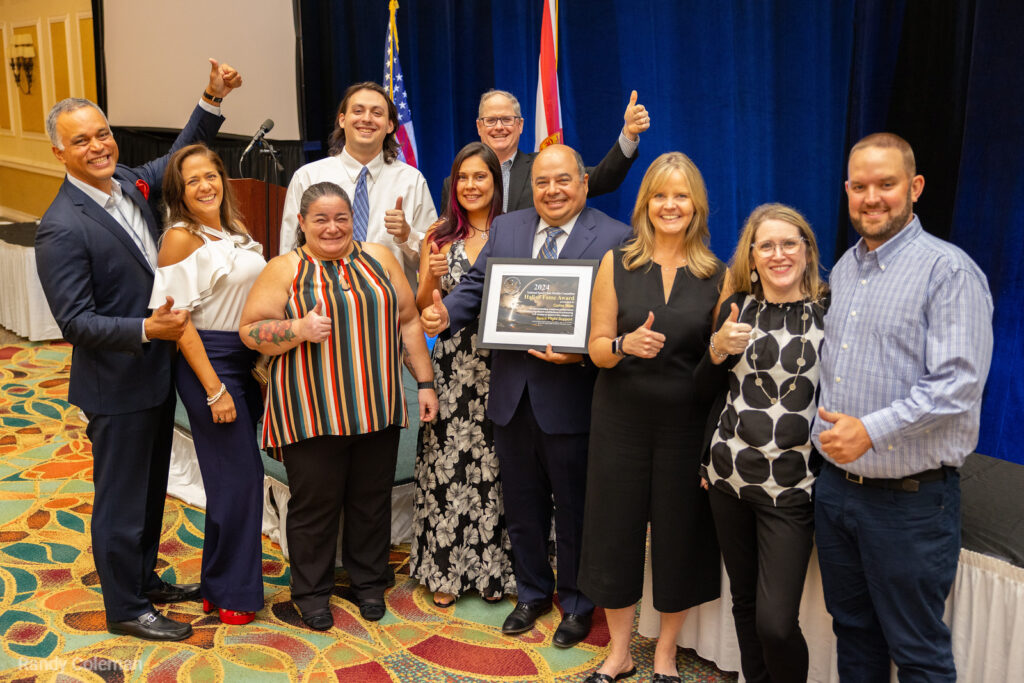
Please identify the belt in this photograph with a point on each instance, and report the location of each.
(909, 484)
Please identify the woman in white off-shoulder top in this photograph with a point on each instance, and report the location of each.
(208, 262)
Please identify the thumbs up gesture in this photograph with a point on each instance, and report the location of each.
(733, 336)
(395, 223)
(846, 440)
(434, 318)
(637, 119)
(643, 342)
(315, 327)
(165, 323)
(437, 261)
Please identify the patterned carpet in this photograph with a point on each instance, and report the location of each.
(51, 612)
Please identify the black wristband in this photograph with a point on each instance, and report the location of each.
(207, 95)
(425, 385)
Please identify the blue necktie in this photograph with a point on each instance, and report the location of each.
(361, 207)
(549, 249)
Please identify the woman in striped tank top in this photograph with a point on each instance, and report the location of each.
(338, 318)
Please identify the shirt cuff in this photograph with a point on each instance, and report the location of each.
(627, 146)
(884, 430)
(145, 339)
(216, 110)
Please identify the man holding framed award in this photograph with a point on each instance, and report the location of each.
(540, 398)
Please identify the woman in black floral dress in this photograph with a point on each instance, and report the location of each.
(459, 537)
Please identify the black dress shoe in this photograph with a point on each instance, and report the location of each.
(573, 629)
(605, 678)
(174, 592)
(151, 626)
(372, 609)
(524, 616)
(319, 619)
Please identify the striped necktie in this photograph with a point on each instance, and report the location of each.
(549, 250)
(361, 207)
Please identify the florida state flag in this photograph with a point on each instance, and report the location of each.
(548, 129)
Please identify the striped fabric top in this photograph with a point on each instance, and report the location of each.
(351, 383)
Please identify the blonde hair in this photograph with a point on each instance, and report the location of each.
(742, 263)
(640, 250)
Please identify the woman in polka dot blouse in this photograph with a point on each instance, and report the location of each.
(763, 361)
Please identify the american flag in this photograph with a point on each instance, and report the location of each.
(395, 85)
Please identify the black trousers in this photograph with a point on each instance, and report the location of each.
(328, 475)
(131, 454)
(536, 466)
(766, 550)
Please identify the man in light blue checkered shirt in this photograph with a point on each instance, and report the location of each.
(908, 342)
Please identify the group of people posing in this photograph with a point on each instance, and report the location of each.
(707, 398)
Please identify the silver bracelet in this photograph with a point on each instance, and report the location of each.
(711, 343)
(210, 400)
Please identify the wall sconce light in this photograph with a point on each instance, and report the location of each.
(22, 57)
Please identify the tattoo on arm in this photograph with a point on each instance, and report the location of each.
(272, 331)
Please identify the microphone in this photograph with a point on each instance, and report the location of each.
(265, 128)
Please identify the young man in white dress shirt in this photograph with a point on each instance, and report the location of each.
(397, 203)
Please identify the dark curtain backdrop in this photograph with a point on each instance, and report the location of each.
(766, 97)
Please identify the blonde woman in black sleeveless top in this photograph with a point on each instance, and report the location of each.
(650, 320)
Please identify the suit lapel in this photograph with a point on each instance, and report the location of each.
(519, 182)
(99, 215)
(147, 213)
(524, 238)
(581, 236)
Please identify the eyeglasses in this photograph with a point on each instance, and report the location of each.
(788, 247)
(492, 121)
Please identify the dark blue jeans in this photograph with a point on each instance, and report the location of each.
(888, 559)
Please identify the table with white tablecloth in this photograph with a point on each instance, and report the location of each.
(985, 611)
(23, 308)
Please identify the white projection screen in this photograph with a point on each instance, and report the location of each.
(157, 62)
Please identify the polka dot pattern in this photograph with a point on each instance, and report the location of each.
(761, 451)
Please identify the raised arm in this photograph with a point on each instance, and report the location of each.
(433, 266)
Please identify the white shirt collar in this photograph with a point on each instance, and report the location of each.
(96, 194)
(567, 227)
(353, 167)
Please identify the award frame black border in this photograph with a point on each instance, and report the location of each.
(489, 337)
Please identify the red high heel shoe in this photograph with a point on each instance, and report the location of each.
(229, 616)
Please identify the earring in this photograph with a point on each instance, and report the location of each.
(753, 276)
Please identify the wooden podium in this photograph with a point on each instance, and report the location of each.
(252, 196)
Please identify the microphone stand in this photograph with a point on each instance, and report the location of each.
(268, 153)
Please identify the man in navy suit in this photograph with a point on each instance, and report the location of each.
(96, 251)
(500, 124)
(540, 401)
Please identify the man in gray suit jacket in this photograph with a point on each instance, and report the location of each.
(96, 251)
(540, 401)
(500, 124)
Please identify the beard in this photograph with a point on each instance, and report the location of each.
(888, 229)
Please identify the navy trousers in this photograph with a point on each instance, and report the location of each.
(888, 560)
(131, 454)
(535, 466)
(229, 459)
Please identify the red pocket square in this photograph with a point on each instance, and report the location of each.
(143, 187)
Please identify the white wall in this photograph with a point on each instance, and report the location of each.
(156, 61)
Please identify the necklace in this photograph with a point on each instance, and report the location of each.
(483, 233)
(800, 362)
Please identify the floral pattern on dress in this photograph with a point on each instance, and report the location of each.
(459, 538)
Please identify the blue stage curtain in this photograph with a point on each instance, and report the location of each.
(988, 221)
(766, 97)
(755, 93)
